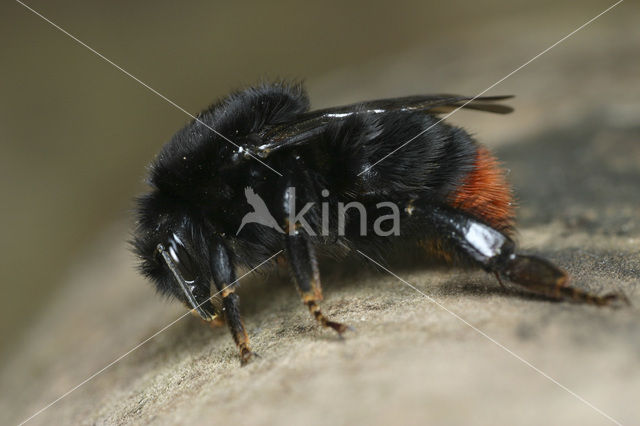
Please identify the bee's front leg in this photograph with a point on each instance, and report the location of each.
(225, 280)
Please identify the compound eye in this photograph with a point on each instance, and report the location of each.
(181, 259)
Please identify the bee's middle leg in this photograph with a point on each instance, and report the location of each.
(304, 268)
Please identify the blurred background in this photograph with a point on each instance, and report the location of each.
(77, 133)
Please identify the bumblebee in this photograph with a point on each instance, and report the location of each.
(258, 173)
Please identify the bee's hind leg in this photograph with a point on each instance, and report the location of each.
(303, 264)
(495, 253)
(542, 277)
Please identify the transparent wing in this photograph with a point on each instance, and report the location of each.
(313, 123)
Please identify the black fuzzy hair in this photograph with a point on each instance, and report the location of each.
(196, 153)
(186, 174)
(435, 162)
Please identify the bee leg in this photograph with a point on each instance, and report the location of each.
(495, 253)
(500, 280)
(542, 277)
(223, 276)
(304, 268)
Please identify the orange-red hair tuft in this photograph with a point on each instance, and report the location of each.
(485, 193)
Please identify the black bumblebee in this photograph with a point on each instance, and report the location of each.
(258, 174)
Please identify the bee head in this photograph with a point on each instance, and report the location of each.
(173, 252)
